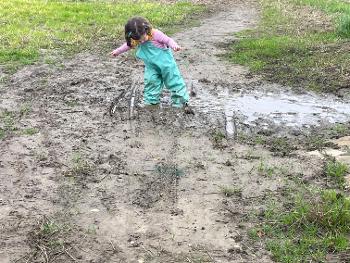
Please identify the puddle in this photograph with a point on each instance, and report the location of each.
(263, 109)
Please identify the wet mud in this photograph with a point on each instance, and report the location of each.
(105, 179)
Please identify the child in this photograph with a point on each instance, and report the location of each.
(152, 46)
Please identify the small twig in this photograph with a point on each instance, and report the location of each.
(210, 256)
(65, 250)
(54, 257)
(60, 164)
(45, 254)
(148, 251)
(110, 241)
(231, 211)
(104, 177)
(189, 260)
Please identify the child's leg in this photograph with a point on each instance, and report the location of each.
(175, 83)
(153, 86)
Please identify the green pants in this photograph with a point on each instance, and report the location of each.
(161, 70)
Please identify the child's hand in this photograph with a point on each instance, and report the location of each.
(177, 48)
(114, 53)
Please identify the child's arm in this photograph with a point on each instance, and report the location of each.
(160, 37)
(123, 48)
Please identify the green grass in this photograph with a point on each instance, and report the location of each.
(30, 131)
(266, 170)
(288, 48)
(30, 26)
(344, 26)
(337, 7)
(229, 191)
(306, 230)
(49, 227)
(9, 122)
(80, 166)
(218, 139)
(337, 171)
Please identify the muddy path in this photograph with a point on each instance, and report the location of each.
(137, 185)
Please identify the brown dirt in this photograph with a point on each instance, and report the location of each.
(142, 185)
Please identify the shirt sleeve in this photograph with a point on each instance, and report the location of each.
(160, 37)
(123, 48)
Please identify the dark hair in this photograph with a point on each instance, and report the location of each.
(135, 28)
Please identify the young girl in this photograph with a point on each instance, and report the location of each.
(153, 47)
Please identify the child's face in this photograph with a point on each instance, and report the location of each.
(143, 38)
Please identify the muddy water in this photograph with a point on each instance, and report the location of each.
(224, 89)
(266, 108)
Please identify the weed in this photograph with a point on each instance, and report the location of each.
(49, 238)
(229, 191)
(2, 134)
(49, 227)
(30, 131)
(25, 110)
(259, 140)
(281, 146)
(80, 167)
(250, 155)
(72, 103)
(218, 139)
(3, 79)
(266, 170)
(92, 229)
(339, 130)
(8, 120)
(7, 123)
(255, 233)
(41, 156)
(170, 170)
(315, 142)
(336, 170)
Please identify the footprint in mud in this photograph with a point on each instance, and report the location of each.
(160, 188)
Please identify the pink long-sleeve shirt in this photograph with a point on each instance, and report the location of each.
(159, 39)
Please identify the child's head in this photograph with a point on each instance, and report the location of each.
(136, 28)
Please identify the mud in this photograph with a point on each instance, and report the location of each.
(141, 184)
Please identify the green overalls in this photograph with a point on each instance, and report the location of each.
(160, 70)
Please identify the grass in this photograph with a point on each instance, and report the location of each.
(266, 170)
(344, 26)
(171, 170)
(30, 28)
(306, 230)
(339, 130)
(30, 131)
(299, 42)
(25, 110)
(80, 167)
(280, 145)
(336, 170)
(49, 238)
(229, 191)
(218, 139)
(9, 122)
